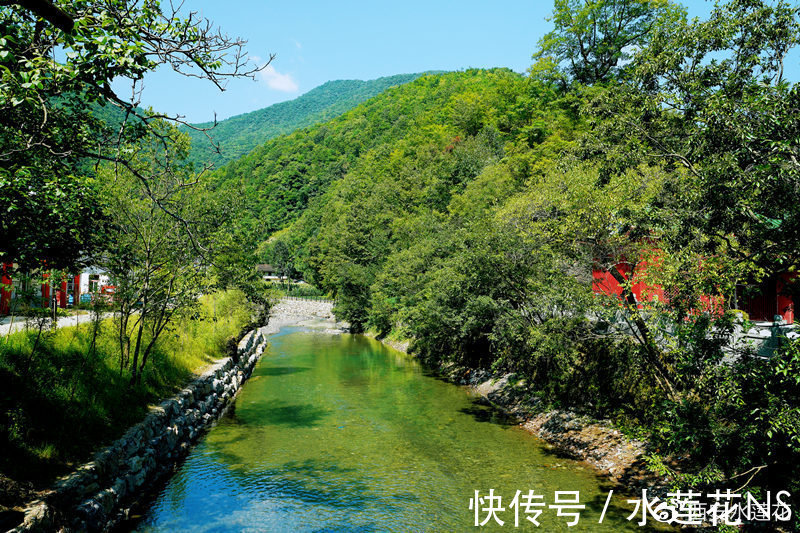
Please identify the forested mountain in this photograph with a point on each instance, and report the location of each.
(426, 160)
(439, 112)
(238, 135)
(471, 211)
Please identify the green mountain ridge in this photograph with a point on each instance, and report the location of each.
(240, 134)
(281, 178)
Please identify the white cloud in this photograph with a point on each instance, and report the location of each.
(276, 80)
(298, 45)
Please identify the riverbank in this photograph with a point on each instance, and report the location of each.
(304, 313)
(101, 493)
(66, 396)
(104, 491)
(597, 442)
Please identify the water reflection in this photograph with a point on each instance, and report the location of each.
(334, 435)
(282, 370)
(296, 415)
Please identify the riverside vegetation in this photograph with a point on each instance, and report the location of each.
(466, 211)
(90, 178)
(69, 394)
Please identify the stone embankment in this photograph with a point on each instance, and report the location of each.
(100, 493)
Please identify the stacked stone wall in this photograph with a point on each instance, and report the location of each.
(100, 493)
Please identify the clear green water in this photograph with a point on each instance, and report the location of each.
(340, 433)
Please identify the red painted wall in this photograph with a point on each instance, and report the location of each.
(62, 296)
(5, 290)
(785, 302)
(780, 300)
(604, 283)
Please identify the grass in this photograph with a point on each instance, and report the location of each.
(66, 400)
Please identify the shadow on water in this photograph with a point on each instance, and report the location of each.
(405, 497)
(281, 370)
(315, 482)
(301, 415)
(310, 483)
(481, 412)
(10, 519)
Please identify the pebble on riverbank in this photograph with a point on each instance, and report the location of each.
(306, 313)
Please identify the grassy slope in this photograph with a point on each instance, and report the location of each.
(64, 401)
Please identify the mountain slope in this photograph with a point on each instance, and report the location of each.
(240, 134)
(281, 178)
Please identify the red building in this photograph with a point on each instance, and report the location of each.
(769, 299)
(762, 302)
(5, 288)
(604, 283)
(63, 289)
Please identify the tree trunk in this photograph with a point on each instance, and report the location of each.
(124, 340)
(651, 349)
(145, 292)
(158, 326)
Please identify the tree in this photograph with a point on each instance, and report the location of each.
(280, 255)
(710, 97)
(595, 39)
(589, 224)
(54, 85)
(231, 249)
(156, 234)
(707, 100)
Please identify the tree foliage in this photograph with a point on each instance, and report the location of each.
(710, 96)
(470, 212)
(51, 85)
(594, 40)
(155, 261)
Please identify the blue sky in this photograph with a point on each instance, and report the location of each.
(319, 41)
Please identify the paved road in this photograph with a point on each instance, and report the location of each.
(19, 322)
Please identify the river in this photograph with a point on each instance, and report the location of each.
(341, 433)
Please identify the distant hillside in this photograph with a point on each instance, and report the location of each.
(282, 177)
(238, 135)
(404, 185)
